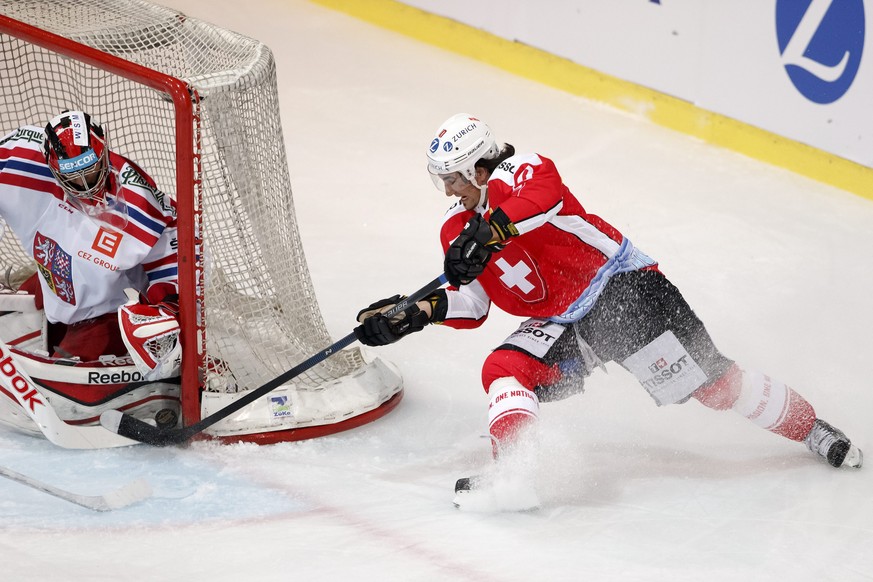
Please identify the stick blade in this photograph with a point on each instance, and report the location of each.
(134, 428)
(129, 494)
(133, 492)
(111, 420)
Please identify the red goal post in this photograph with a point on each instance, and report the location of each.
(188, 180)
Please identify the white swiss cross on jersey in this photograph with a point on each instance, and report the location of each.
(517, 271)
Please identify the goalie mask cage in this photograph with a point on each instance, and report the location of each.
(197, 107)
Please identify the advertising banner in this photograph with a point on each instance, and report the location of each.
(796, 68)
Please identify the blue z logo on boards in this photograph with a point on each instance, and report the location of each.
(821, 42)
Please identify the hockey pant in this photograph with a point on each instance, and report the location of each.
(642, 322)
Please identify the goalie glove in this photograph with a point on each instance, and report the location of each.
(468, 254)
(378, 330)
(151, 334)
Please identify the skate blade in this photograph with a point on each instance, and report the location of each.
(854, 458)
(489, 502)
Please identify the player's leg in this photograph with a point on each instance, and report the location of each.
(628, 325)
(513, 411)
(540, 361)
(765, 401)
(776, 407)
(643, 323)
(92, 338)
(86, 340)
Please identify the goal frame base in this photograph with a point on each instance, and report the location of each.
(368, 394)
(311, 432)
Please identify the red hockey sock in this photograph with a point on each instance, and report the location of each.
(513, 410)
(768, 403)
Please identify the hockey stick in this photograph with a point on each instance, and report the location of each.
(15, 381)
(129, 494)
(134, 428)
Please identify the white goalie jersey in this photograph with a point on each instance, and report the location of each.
(85, 264)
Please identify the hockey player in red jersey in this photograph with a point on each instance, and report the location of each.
(103, 239)
(517, 237)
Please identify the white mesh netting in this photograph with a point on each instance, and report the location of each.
(261, 312)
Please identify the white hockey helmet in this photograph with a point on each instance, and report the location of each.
(459, 143)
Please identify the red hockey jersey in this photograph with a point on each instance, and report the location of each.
(561, 259)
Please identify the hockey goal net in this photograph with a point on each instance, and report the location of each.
(197, 107)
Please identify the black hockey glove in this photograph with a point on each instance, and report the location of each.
(378, 330)
(468, 254)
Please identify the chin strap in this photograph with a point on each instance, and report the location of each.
(482, 206)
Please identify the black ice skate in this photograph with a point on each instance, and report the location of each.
(495, 493)
(465, 485)
(831, 444)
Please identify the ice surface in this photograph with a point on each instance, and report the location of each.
(776, 265)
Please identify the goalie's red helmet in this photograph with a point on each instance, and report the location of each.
(77, 155)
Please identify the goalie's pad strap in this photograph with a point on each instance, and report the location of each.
(21, 302)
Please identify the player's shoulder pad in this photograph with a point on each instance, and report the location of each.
(133, 178)
(29, 136)
(519, 167)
